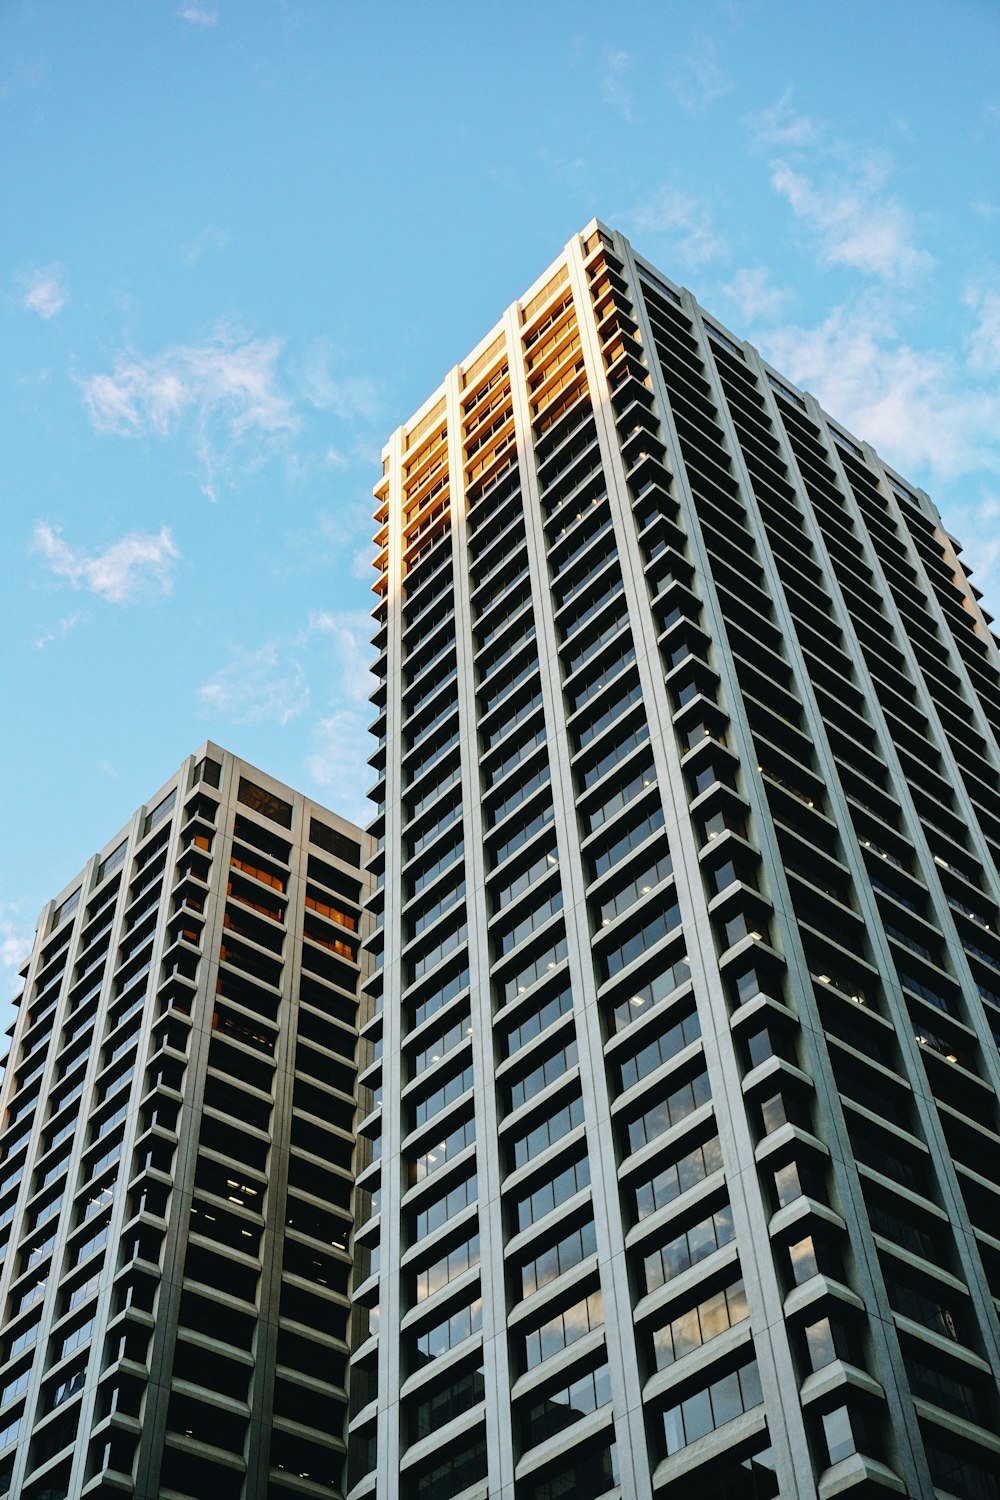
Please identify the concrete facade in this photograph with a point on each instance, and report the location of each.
(176, 1155)
(682, 1071)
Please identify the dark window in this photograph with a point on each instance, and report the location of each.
(159, 812)
(67, 908)
(335, 843)
(112, 861)
(209, 771)
(265, 803)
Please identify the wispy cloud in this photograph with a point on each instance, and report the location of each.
(266, 686)
(135, 566)
(615, 87)
(781, 124)
(339, 743)
(44, 291)
(227, 375)
(348, 633)
(984, 341)
(699, 79)
(683, 219)
(65, 625)
(351, 397)
(927, 411)
(195, 15)
(920, 408)
(839, 193)
(857, 223)
(979, 525)
(272, 684)
(213, 239)
(226, 390)
(16, 938)
(754, 295)
(338, 748)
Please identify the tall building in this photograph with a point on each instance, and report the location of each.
(176, 1155)
(686, 1171)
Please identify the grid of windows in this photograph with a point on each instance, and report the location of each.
(688, 790)
(141, 1120)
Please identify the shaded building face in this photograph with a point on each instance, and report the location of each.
(177, 1155)
(687, 983)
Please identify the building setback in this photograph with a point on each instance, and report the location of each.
(176, 1139)
(685, 1146)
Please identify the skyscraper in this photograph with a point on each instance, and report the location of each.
(176, 1155)
(685, 1143)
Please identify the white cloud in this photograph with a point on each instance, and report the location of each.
(839, 193)
(978, 527)
(266, 686)
(857, 224)
(671, 212)
(213, 238)
(16, 939)
(271, 684)
(753, 295)
(64, 627)
(918, 407)
(226, 375)
(984, 342)
(350, 397)
(615, 88)
(227, 389)
(700, 80)
(339, 743)
(926, 411)
(44, 291)
(336, 761)
(350, 634)
(236, 400)
(196, 16)
(135, 565)
(782, 125)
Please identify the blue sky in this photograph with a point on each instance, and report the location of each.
(243, 239)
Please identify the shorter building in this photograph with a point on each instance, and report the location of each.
(176, 1155)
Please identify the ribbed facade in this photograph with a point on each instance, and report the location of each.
(176, 1156)
(684, 1127)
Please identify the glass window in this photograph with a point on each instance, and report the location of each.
(563, 1329)
(819, 1344)
(727, 1399)
(112, 861)
(711, 1407)
(837, 1434)
(209, 771)
(787, 1184)
(268, 805)
(159, 812)
(772, 1113)
(66, 908)
(803, 1258)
